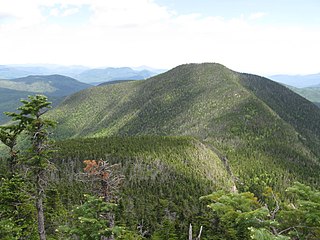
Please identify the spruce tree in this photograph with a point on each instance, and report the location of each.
(30, 119)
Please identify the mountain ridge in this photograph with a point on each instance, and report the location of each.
(236, 113)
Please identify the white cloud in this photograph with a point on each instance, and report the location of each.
(54, 12)
(70, 11)
(257, 15)
(128, 12)
(140, 32)
(25, 13)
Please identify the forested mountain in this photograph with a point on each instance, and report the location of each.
(310, 93)
(269, 134)
(175, 138)
(55, 86)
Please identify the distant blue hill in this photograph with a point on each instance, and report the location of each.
(93, 76)
(299, 81)
(112, 74)
(7, 72)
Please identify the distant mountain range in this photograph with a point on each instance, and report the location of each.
(98, 76)
(56, 87)
(19, 81)
(84, 74)
(298, 81)
(307, 86)
(17, 71)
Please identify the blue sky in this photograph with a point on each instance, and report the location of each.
(263, 37)
(285, 12)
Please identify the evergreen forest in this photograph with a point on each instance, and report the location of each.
(198, 152)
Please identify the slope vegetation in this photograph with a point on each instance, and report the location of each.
(269, 134)
(164, 176)
(310, 93)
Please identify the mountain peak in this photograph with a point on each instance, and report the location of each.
(246, 117)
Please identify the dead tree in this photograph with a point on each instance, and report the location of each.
(190, 233)
(106, 180)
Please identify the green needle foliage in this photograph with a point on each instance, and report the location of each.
(29, 119)
(8, 136)
(88, 222)
(243, 216)
(16, 209)
(264, 234)
(301, 218)
(237, 212)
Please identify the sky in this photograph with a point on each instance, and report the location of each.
(264, 37)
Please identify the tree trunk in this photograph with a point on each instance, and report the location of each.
(111, 218)
(199, 236)
(39, 205)
(41, 229)
(190, 232)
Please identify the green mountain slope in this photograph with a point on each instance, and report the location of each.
(114, 82)
(269, 134)
(54, 86)
(310, 93)
(294, 109)
(164, 176)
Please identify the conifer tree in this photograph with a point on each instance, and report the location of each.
(8, 136)
(30, 119)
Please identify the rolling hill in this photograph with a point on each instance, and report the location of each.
(54, 86)
(269, 134)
